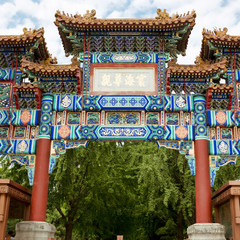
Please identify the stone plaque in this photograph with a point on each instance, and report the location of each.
(130, 80)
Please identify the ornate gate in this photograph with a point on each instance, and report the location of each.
(123, 85)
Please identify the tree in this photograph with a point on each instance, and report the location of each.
(227, 173)
(166, 190)
(17, 173)
(85, 189)
(14, 171)
(133, 189)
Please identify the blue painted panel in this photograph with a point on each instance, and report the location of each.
(116, 132)
(17, 146)
(123, 102)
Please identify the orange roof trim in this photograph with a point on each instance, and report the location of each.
(89, 21)
(202, 68)
(50, 69)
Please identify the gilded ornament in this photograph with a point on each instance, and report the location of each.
(220, 33)
(162, 15)
(87, 16)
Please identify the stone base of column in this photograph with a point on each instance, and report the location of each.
(29, 230)
(206, 231)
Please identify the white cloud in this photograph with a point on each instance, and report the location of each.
(17, 14)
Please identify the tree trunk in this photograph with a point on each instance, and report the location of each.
(180, 226)
(68, 231)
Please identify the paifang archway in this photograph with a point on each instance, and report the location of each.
(123, 84)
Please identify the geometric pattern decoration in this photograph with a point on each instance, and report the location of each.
(46, 117)
(123, 102)
(19, 117)
(200, 118)
(5, 95)
(139, 57)
(230, 73)
(114, 132)
(18, 146)
(224, 147)
(223, 118)
(4, 117)
(7, 74)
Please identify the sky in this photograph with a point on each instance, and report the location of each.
(17, 14)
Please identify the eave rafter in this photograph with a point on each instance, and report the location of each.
(174, 30)
(200, 70)
(218, 43)
(31, 44)
(46, 69)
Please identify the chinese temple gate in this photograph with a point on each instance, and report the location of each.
(123, 84)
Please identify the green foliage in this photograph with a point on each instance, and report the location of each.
(133, 189)
(166, 190)
(130, 189)
(15, 172)
(227, 173)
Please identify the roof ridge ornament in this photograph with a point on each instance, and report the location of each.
(30, 31)
(220, 33)
(48, 61)
(173, 61)
(199, 61)
(162, 15)
(216, 31)
(88, 16)
(75, 61)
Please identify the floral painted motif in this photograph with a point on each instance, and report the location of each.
(64, 131)
(221, 117)
(66, 102)
(223, 147)
(181, 132)
(22, 146)
(180, 102)
(25, 116)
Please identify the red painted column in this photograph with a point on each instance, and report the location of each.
(202, 182)
(40, 183)
(41, 174)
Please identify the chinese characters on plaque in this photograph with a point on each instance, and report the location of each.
(124, 80)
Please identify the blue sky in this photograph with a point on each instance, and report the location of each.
(17, 14)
